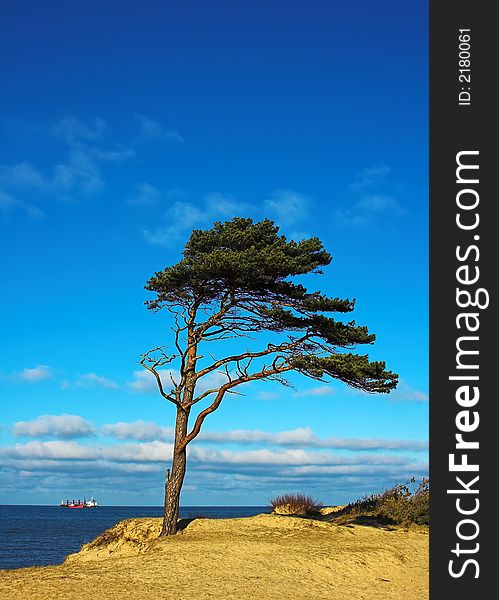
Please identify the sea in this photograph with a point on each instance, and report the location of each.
(44, 535)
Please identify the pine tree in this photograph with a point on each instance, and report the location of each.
(238, 281)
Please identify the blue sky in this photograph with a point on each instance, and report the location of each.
(122, 130)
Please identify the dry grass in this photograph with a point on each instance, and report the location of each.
(403, 504)
(296, 504)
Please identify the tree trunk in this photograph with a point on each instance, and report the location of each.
(173, 486)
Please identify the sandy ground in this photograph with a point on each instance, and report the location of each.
(267, 557)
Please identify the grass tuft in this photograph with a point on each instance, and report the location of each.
(296, 504)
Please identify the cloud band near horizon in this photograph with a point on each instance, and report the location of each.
(67, 427)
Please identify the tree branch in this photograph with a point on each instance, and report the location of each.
(226, 388)
(151, 364)
(251, 355)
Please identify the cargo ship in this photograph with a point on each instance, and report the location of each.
(92, 503)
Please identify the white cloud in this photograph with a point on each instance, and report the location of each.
(38, 373)
(119, 154)
(377, 203)
(142, 431)
(156, 451)
(72, 130)
(351, 219)
(79, 173)
(303, 436)
(369, 200)
(181, 217)
(367, 178)
(143, 483)
(9, 203)
(23, 175)
(89, 380)
(223, 205)
(61, 426)
(149, 128)
(384, 468)
(88, 147)
(296, 437)
(371, 444)
(144, 382)
(288, 207)
(295, 457)
(138, 468)
(145, 452)
(367, 208)
(255, 436)
(145, 195)
(320, 390)
(185, 215)
(405, 393)
(65, 450)
(66, 426)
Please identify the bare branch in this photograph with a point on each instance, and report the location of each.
(151, 365)
(263, 374)
(152, 359)
(203, 395)
(271, 349)
(226, 303)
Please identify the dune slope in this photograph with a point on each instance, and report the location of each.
(267, 557)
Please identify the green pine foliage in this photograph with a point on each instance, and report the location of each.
(242, 275)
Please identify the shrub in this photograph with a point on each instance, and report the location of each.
(403, 504)
(296, 504)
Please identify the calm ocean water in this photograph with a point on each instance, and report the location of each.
(45, 535)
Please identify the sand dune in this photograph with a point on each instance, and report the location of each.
(267, 557)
